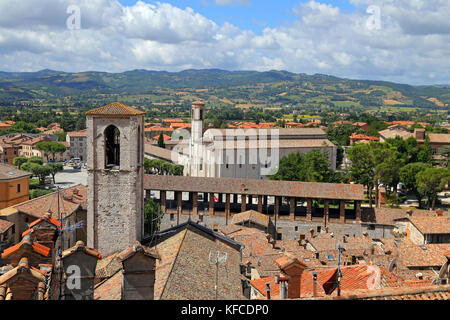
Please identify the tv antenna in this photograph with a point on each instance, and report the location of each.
(217, 260)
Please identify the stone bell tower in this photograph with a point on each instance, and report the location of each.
(115, 160)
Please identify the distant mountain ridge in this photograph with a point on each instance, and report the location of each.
(16, 86)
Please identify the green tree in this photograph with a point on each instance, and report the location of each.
(425, 153)
(362, 169)
(18, 161)
(311, 167)
(289, 168)
(54, 169)
(161, 141)
(44, 147)
(340, 134)
(316, 167)
(152, 216)
(444, 152)
(408, 176)
(38, 170)
(56, 147)
(60, 135)
(432, 181)
(37, 160)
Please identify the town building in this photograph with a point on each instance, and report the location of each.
(246, 153)
(69, 204)
(77, 144)
(14, 186)
(362, 138)
(24, 145)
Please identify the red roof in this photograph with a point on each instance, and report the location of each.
(39, 248)
(363, 137)
(354, 277)
(47, 218)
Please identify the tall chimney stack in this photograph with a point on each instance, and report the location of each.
(292, 269)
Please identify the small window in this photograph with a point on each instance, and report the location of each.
(172, 217)
(18, 188)
(201, 218)
(279, 236)
(319, 229)
(112, 147)
(371, 227)
(330, 257)
(296, 228)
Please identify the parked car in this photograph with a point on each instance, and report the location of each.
(77, 167)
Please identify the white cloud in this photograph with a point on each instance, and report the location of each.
(233, 2)
(412, 43)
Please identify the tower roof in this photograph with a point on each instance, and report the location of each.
(115, 109)
(198, 103)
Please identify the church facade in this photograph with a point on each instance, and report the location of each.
(245, 153)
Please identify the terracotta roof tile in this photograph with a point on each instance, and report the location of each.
(431, 224)
(69, 201)
(251, 216)
(402, 293)
(116, 109)
(255, 186)
(354, 277)
(79, 246)
(8, 172)
(39, 248)
(5, 225)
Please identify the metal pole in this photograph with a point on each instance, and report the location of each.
(339, 271)
(61, 243)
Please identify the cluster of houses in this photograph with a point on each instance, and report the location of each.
(93, 236)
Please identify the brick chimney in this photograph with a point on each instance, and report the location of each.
(85, 259)
(439, 213)
(139, 265)
(312, 232)
(365, 234)
(409, 213)
(292, 269)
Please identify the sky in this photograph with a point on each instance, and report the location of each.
(405, 41)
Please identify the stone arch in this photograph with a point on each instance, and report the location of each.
(112, 147)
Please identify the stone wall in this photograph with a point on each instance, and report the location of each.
(291, 230)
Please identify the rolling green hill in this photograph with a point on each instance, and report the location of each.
(269, 88)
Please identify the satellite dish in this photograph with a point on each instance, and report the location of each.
(392, 265)
(443, 271)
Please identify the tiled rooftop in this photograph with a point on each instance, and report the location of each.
(354, 277)
(255, 187)
(5, 225)
(431, 224)
(8, 172)
(115, 109)
(69, 201)
(402, 293)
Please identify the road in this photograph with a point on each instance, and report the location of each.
(70, 177)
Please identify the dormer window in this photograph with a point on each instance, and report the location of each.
(112, 147)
